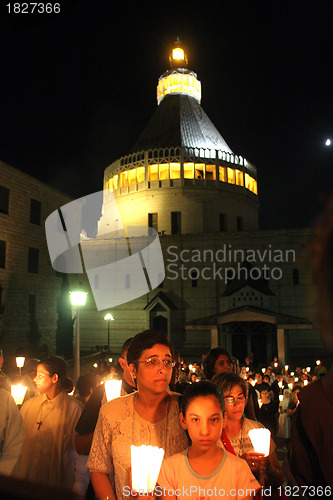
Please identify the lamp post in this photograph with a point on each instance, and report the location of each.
(78, 298)
(20, 363)
(108, 317)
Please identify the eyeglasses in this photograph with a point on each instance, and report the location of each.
(230, 400)
(157, 362)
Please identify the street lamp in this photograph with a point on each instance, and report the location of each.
(78, 298)
(108, 317)
(20, 363)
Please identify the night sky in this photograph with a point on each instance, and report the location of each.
(78, 88)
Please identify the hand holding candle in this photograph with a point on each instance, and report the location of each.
(146, 462)
(261, 439)
(112, 389)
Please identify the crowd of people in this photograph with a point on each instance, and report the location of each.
(201, 415)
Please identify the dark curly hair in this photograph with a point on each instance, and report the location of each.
(210, 360)
(146, 340)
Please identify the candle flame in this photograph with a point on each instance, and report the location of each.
(112, 389)
(18, 393)
(260, 439)
(146, 462)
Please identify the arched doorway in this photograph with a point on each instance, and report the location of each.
(160, 323)
(252, 336)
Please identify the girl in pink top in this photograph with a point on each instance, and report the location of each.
(204, 470)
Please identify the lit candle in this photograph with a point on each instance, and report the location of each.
(280, 397)
(112, 389)
(263, 370)
(146, 462)
(286, 367)
(260, 439)
(305, 382)
(290, 385)
(18, 393)
(308, 369)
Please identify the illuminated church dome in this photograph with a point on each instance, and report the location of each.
(181, 176)
(179, 119)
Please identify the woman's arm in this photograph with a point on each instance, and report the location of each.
(274, 472)
(102, 486)
(290, 412)
(83, 443)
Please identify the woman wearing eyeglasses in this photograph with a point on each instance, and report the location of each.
(235, 434)
(149, 416)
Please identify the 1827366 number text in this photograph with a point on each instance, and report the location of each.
(33, 8)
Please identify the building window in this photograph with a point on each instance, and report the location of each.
(1, 305)
(194, 278)
(240, 223)
(175, 222)
(295, 276)
(223, 222)
(2, 254)
(4, 200)
(32, 305)
(33, 260)
(35, 211)
(153, 221)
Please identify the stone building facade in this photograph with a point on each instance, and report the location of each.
(29, 286)
(226, 282)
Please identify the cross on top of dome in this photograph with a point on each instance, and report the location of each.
(178, 57)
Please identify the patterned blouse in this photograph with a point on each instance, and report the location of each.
(242, 442)
(119, 426)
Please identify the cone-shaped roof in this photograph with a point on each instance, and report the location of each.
(180, 121)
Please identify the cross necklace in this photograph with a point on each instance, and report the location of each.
(41, 420)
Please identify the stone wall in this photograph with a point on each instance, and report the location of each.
(16, 325)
